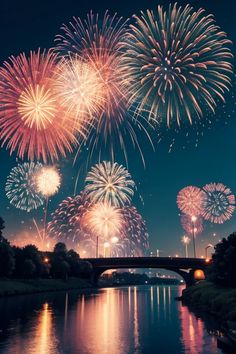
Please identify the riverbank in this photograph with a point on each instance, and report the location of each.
(9, 287)
(215, 300)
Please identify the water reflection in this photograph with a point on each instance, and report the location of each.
(194, 337)
(128, 320)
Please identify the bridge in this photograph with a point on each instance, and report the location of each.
(185, 267)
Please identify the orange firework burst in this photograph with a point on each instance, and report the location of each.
(81, 91)
(47, 181)
(190, 200)
(31, 121)
(103, 220)
(98, 42)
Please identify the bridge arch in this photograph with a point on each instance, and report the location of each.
(185, 267)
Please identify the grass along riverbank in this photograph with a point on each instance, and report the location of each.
(212, 299)
(29, 286)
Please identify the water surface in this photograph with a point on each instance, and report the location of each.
(128, 320)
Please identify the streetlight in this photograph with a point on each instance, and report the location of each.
(206, 248)
(194, 219)
(185, 239)
(114, 240)
(105, 246)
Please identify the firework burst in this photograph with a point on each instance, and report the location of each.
(190, 200)
(103, 220)
(97, 43)
(21, 189)
(185, 240)
(65, 224)
(81, 91)
(134, 236)
(219, 203)
(47, 181)
(189, 226)
(179, 61)
(31, 121)
(111, 183)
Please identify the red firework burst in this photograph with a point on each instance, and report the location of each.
(31, 121)
(190, 200)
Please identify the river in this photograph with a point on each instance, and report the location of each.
(126, 320)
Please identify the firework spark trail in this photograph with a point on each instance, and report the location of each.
(111, 183)
(219, 203)
(21, 188)
(190, 200)
(31, 121)
(179, 62)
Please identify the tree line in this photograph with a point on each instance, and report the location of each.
(29, 262)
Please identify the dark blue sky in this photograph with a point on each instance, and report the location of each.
(193, 159)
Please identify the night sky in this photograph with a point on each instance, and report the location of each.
(193, 156)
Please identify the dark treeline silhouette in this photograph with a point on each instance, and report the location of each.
(29, 262)
(223, 269)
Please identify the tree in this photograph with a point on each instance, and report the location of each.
(84, 269)
(31, 252)
(60, 249)
(7, 261)
(73, 259)
(2, 227)
(61, 269)
(29, 268)
(223, 268)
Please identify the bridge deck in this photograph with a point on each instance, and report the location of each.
(147, 262)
